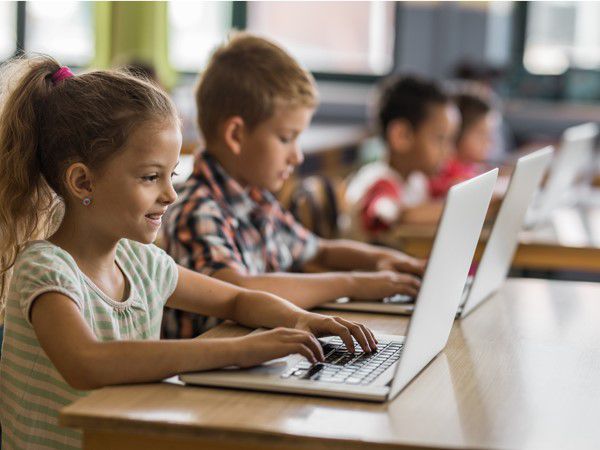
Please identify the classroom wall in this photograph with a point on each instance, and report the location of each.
(435, 37)
(432, 38)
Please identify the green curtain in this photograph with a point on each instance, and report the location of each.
(133, 31)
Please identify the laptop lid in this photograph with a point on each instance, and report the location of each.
(574, 159)
(445, 276)
(504, 237)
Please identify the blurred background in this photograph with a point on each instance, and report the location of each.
(541, 58)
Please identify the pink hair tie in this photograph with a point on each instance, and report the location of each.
(61, 74)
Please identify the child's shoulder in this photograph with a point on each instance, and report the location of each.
(44, 253)
(40, 264)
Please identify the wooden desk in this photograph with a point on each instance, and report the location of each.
(570, 242)
(522, 371)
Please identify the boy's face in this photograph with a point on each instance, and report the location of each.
(270, 152)
(476, 141)
(433, 139)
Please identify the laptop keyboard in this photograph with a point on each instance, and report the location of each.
(341, 366)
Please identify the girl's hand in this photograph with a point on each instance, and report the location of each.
(378, 285)
(257, 348)
(320, 325)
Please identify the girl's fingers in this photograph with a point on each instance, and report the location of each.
(343, 332)
(369, 334)
(304, 351)
(358, 334)
(312, 342)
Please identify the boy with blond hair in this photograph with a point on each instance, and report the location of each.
(253, 102)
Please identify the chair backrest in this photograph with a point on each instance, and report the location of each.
(316, 202)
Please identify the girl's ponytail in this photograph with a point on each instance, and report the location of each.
(26, 201)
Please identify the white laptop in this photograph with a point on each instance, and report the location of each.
(573, 162)
(499, 250)
(381, 375)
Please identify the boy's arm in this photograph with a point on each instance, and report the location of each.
(342, 254)
(310, 290)
(304, 290)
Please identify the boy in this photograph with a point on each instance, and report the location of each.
(253, 101)
(417, 121)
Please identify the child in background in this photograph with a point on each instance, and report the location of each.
(417, 122)
(254, 100)
(84, 306)
(473, 144)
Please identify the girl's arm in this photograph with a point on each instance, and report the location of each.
(211, 297)
(201, 294)
(87, 363)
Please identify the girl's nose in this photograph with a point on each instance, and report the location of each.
(169, 195)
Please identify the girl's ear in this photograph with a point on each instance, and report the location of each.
(78, 180)
(233, 134)
(400, 136)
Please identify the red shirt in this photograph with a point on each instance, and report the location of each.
(453, 171)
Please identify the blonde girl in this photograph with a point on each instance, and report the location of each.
(94, 153)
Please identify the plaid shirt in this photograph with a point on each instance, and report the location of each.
(216, 223)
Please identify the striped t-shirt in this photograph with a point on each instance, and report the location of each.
(32, 391)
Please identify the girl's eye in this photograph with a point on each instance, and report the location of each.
(150, 178)
(284, 140)
(174, 174)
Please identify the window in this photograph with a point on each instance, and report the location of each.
(562, 35)
(61, 29)
(332, 37)
(8, 29)
(195, 29)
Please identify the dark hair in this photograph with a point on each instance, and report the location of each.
(47, 126)
(472, 107)
(408, 98)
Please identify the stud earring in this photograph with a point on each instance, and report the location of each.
(86, 201)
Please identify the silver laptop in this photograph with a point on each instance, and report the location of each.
(504, 237)
(573, 162)
(499, 250)
(381, 375)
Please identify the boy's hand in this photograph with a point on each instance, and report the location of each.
(401, 262)
(378, 285)
(320, 325)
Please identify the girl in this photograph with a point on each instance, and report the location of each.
(94, 154)
(473, 143)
